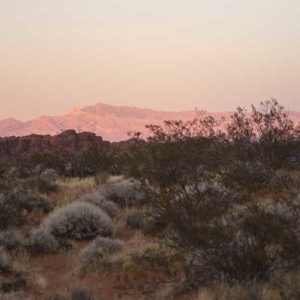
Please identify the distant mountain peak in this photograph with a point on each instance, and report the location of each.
(109, 121)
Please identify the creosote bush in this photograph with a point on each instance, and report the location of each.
(78, 221)
(226, 237)
(99, 249)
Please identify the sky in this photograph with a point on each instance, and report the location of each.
(161, 54)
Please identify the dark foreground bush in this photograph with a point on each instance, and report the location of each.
(11, 239)
(81, 294)
(5, 261)
(76, 293)
(14, 206)
(78, 221)
(227, 239)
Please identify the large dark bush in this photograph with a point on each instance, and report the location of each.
(227, 238)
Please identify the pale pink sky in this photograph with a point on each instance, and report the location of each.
(161, 54)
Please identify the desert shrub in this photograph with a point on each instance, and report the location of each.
(152, 258)
(11, 239)
(81, 294)
(109, 207)
(44, 186)
(234, 258)
(27, 201)
(41, 180)
(76, 293)
(58, 297)
(253, 244)
(125, 192)
(40, 184)
(226, 237)
(287, 284)
(249, 291)
(41, 241)
(5, 261)
(136, 219)
(101, 178)
(252, 176)
(49, 175)
(100, 248)
(278, 225)
(78, 221)
(97, 199)
(15, 205)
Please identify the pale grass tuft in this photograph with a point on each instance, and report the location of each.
(73, 188)
(41, 281)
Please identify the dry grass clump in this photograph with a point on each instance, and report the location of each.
(72, 188)
(78, 221)
(99, 249)
(99, 200)
(124, 192)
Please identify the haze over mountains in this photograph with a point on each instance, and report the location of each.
(111, 122)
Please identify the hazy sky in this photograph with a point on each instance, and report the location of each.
(162, 54)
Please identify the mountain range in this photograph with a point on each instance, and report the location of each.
(111, 122)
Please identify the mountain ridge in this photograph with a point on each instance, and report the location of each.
(109, 121)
